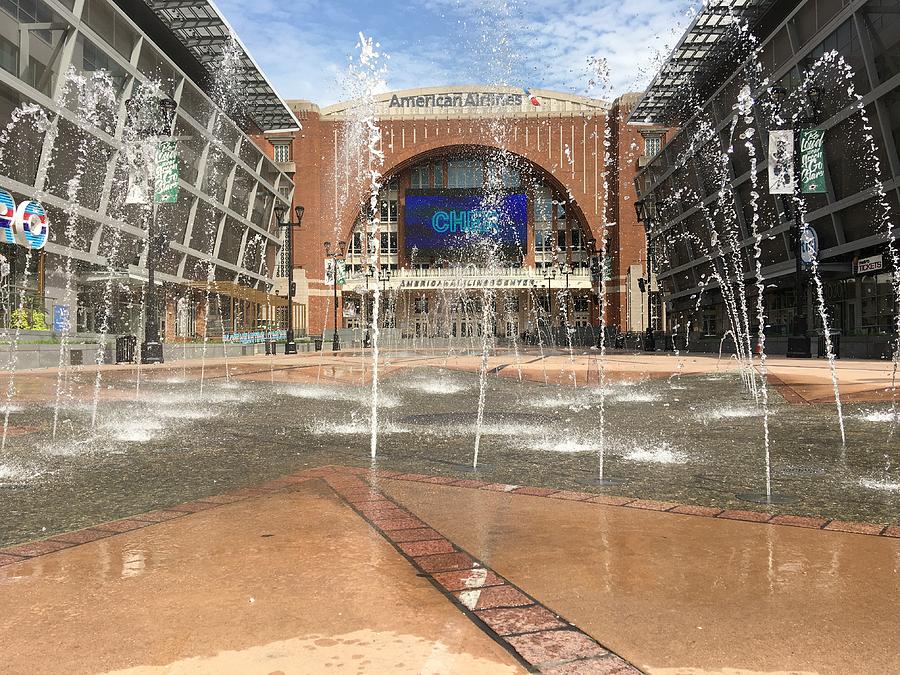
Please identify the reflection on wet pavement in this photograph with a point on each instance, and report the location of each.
(695, 439)
(250, 587)
(681, 594)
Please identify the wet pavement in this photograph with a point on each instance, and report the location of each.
(681, 594)
(293, 582)
(416, 575)
(348, 570)
(688, 434)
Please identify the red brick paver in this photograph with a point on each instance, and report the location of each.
(493, 597)
(749, 516)
(693, 510)
(572, 496)
(651, 505)
(855, 528)
(610, 500)
(35, 548)
(388, 524)
(556, 645)
(799, 521)
(535, 491)
(520, 620)
(82, 536)
(603, 665)
(467, 579)
(433, 547)
(420, 534)
(123, 525)
(445, 562)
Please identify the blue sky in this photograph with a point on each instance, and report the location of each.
(304, 47)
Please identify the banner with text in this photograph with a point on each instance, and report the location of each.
(812, 161)
(166, 179)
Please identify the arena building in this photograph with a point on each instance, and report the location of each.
(219, 238)
(537, 156)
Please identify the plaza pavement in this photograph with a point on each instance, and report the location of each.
(800, 381)
(366, 571)
(304, 576)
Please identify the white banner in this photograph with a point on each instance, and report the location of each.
(781, 162)
(329, 272)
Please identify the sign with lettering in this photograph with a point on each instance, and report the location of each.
(166, 179)
(461, 283)
(458, 99)
(871, 264)
(437, 223)
(61, 319)
(256, 336)
(781, 162)
(25, 224)
(812, 161)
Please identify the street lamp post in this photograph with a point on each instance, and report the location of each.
(159, 125)
(550, 275)
(565, 268)
(335, 255)
(799, 343)
(369, 274)
(385, 278)
(290, 346)
(646, 213)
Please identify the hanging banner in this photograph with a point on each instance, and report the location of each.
(166, 179)
(812, 161)
(138, 187)
(781, 162)
(329, 272)
(809, 245)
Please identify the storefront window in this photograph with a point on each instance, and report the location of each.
(878, 304)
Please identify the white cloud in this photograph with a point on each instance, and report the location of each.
(304, 49)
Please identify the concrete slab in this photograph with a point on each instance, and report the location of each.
(291, 582)
(681, 594)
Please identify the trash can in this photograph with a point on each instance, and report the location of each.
(126, 345)
(318, 343)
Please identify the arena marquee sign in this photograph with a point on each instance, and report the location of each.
(464, 283)
(458, 99)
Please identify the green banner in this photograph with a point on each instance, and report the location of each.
(330, 265)
(812, 161)
(166, 179)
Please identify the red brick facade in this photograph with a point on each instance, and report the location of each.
(565, 147)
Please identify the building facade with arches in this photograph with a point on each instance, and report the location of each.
(558, 168)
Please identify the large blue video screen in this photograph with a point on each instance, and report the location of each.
(437, 225)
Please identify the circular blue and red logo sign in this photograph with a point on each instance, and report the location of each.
(25, 224)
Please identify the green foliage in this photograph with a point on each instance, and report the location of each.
(29, 319)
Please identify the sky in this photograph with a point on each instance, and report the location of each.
(599, 48)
